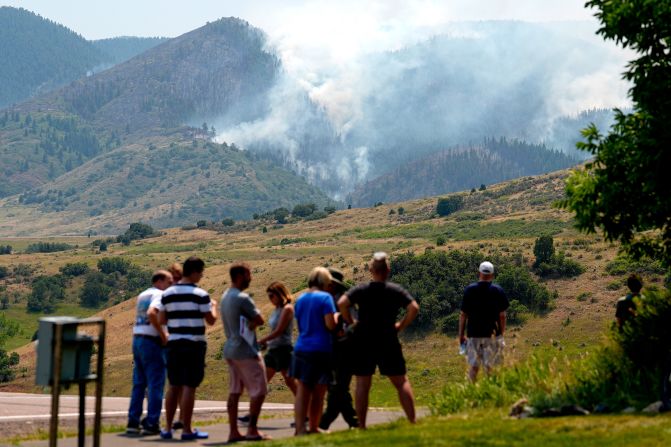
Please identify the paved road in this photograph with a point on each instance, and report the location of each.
(21, 408)
(31, 407)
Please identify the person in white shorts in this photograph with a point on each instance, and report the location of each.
(483, 318)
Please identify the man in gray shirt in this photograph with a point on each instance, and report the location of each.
(245, 365)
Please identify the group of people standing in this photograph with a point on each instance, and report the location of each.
(342, 332)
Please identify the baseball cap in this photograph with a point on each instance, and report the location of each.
(487, 268)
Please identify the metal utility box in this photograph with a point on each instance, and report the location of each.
(64, 357)
(76, 351)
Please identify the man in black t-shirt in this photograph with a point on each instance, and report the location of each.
(483, 316)
(375, 337)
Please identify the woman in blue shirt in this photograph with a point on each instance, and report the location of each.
(311, 363)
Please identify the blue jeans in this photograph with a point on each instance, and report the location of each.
(149, 376)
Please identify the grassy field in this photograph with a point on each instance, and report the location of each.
(493, 428)
(504, 219)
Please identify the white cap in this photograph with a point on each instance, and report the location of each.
(486, 268)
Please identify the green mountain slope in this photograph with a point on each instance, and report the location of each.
(164, 181)
(39, 55)
(120, 49)
(460, 169)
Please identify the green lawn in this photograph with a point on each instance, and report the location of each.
(494, 428)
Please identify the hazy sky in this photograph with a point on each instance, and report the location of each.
(96, 19)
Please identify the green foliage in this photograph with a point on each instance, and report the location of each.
(3, 272)
(5, 250)
(228, 222)
(544, 250)
(111, 265)
(437, 280)
(8, 328)
(303, 209)
(74, 269)
(48, 247)
(560, 266)
(45, 292)
(135, 231)
(95, 291)
(448, 205)
(201, 223)
(329, 209)
(624, 190)
(401, 211)
(440, 241)
(625, 265)
(548, 263)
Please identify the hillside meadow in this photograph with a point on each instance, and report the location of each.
(504, 218)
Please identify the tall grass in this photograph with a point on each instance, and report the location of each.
(624, 371)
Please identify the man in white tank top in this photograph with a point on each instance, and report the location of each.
(148, 360)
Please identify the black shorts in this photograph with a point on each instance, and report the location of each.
(312, 368)
(186, 362)
(387, 355)
(278, 358)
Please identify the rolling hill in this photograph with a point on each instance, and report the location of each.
(504, 219)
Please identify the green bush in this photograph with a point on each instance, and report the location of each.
(111, 265)
(95, 291)
(448, 205)
(303, 209)
(48, 247)
(437, 280)
(74, 269)
(560, 266)
(623, 265)
(228, 222)
(135, 231)
(46, 290)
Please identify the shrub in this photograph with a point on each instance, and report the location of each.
(437, 280)
(329, 209)
(201, 223)
(623, 265)
(3, 272)
(48, 247)
(544, 250)
(228, 222)
(5, 250)
(440, 241)
(303, 209)
(95, 291)
(111, 265)
(401, 211)
(74, 269)
(135, 231)
(560, 266)
(448, 205)
(7, 364)
(46, 290)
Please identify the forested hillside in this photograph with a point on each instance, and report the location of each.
(202, 73)
(461, 168)
(120, 49)
(39, 55)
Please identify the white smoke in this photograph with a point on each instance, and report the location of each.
(339, 65)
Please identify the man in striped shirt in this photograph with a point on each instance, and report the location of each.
(185, 308)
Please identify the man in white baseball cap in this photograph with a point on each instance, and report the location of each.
(483, 318)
